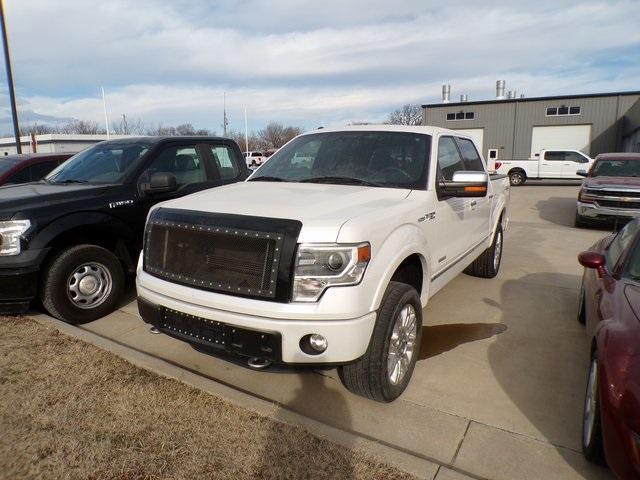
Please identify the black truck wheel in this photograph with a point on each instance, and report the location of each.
(517, 178)
(384, 371)
(487, 265)
(82, 283)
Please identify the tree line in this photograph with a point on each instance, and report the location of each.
(272, 136)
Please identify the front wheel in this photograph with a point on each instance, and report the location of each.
(82, 283)
(517, 178)
(384, 371)
(592, 445)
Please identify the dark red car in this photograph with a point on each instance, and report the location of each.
(29, 167)
(610, 307)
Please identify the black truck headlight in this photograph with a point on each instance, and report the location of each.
(320, 266)
(11, 232)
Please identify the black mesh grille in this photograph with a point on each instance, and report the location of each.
(214, 257)
(613, 193)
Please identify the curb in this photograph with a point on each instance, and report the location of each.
(417, 466)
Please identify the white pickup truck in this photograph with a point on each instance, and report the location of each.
(548, 164)
(330, 260)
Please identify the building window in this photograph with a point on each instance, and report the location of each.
(461, 116)
(562, 111)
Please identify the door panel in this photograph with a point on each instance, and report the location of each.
(573, 162)
(551, 164)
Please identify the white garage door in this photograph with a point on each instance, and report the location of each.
(563, 137)
(477, 134)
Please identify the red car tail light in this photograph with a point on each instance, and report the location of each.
(498, 165)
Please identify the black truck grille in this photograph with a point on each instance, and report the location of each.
(209, 252)
(613, 193)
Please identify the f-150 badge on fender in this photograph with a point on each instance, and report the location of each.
(121, 203)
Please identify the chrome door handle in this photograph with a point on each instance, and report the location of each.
(473, 203)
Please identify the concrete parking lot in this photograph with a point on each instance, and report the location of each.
(498, 390)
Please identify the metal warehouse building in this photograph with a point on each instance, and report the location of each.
(518, 128)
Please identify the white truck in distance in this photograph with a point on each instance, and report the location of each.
(548, 164)
(330, 260)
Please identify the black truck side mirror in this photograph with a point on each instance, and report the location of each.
(160, 182)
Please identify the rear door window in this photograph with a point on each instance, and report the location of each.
(558, 156)
(225, 160)
(449, 159)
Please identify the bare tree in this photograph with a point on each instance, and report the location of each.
(82, 127)
(406, 115)
(275, 135)
(127, 126)
(38, 129)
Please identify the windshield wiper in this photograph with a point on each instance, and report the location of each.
(340, 180)
(71, 180)
(266, 179)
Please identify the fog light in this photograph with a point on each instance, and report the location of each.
(318, 342)
(313, 344)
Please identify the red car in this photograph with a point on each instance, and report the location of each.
(29, 167)
(610, 307)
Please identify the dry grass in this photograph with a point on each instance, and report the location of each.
(70, 410)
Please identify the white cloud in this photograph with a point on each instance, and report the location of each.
(309, 62)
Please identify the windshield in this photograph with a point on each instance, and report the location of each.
(7, 164)
(616, 168)
(103, 163)
(380, 159)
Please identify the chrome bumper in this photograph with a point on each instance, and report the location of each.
(596, 212)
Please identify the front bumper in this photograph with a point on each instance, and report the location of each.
(592, 211)
(19, 280)
(347, 340)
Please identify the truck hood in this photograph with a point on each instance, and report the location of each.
(30, 196)
(321, 208)
(603, 182)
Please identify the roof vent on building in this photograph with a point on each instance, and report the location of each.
(464, 98)
(446, 93)
(500, 86)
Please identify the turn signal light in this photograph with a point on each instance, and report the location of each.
(364, 253)
(481, 189)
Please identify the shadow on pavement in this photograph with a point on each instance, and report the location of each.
(438, 339)
(279, 449)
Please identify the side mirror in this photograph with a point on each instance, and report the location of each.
(464, 184)
(593, 260)
(582, 173)
(161, 182)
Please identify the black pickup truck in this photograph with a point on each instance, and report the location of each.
(71, 238)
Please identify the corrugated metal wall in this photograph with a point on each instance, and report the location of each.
(508, 124)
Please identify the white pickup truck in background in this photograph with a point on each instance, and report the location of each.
(548, 164)
(328, 253)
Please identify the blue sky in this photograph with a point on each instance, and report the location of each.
(306, 63)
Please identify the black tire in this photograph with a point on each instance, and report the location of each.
(368, 376)
(517, 178)
(484, 266)
(55, 293)
(579, 222)
(582, 314)
(593, 446)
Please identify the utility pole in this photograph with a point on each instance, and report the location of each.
(125, 129)
(225, 121)
(12, 93)
(104, 107)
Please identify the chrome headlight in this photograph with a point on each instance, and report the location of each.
(10, 233)
(320, 266)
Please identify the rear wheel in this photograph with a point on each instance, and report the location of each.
(517, 178)
(82, 283)
(384, 371)
(592, 446)
(487, 265)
